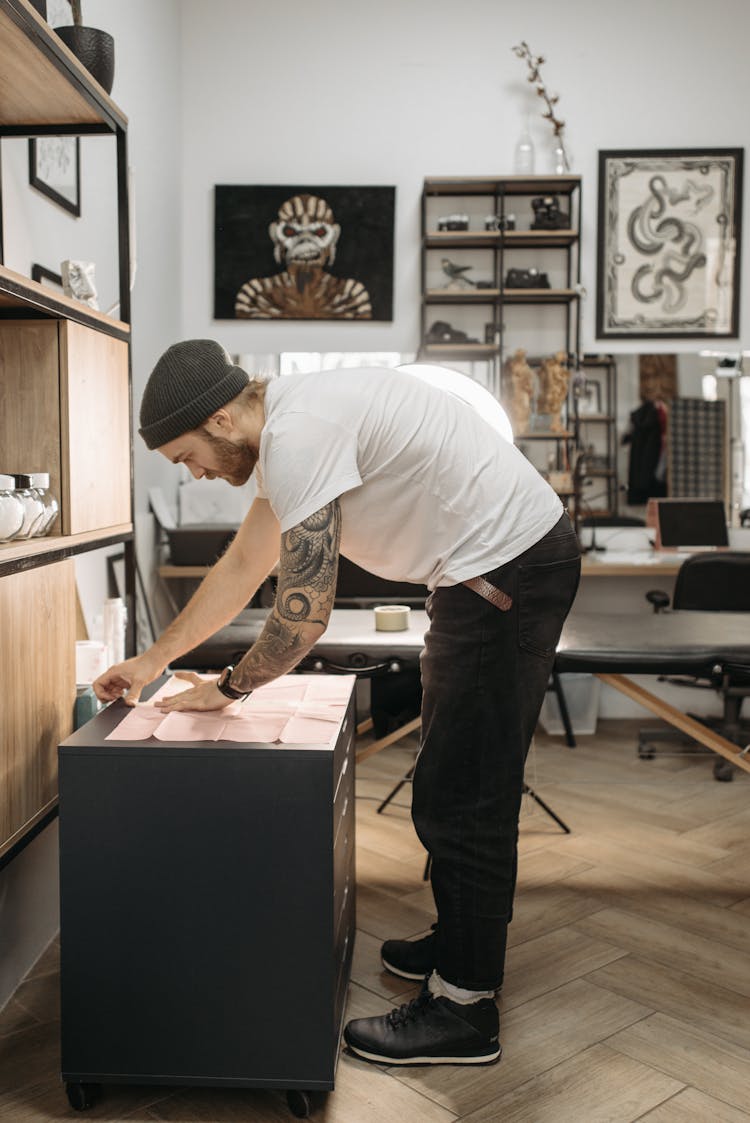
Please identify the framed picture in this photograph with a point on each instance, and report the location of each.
(55, 170)
(46, 277)
(669, 243)
(302, 252)
(588, 394)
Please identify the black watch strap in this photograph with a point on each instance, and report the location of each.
(226, 687)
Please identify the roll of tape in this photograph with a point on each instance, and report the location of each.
(391, 618)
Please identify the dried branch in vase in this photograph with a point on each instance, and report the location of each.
(534, 63)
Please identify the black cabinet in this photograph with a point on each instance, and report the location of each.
(207, 909)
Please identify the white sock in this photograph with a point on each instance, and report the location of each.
(440, 989)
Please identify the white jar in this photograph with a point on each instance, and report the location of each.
(11, 509)
(33, 508)
(40, 487)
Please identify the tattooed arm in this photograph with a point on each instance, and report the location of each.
(307, 583)
(308, 566)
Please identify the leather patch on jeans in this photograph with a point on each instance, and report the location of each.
(494, 595)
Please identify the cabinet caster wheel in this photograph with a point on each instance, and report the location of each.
(724, 771)
(83, 1096)
(645, 753)
(299, 1104)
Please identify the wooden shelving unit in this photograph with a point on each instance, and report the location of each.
(65, 408)
(500, 196)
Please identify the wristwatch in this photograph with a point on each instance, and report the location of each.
(226, 687)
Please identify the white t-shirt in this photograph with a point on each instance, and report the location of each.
(429, 491)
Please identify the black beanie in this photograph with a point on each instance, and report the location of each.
(190, 382)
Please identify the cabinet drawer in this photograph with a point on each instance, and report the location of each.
(94, 429)
(343, 903)
(343, 757)
(343, 803)
(341, 977)
(343, 858)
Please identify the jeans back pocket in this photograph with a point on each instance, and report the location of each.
(546, 590)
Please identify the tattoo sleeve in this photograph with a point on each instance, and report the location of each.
(308, 566)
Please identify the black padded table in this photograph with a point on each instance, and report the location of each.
(614, 646)
(610, 645)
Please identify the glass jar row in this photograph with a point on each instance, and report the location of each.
(28, 508)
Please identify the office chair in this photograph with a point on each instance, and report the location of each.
(709, 582)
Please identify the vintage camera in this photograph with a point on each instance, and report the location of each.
(500, 222)
(526, 279)
(547, 214)
(453, 222)
(442, 332)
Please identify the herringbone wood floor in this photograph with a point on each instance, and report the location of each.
(627, 993)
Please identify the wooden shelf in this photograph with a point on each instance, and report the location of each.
(546, 435)
(502, 185)
(33, 552)
(538, 296)
(597, 418)
(20, 295)
(490, 239)
(461, 350)
(461, 296)
(42, 83)
(506, 296)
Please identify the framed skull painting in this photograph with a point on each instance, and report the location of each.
(303, 253)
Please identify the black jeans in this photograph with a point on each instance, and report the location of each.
(484, 676)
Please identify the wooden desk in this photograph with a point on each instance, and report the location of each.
(642, 564)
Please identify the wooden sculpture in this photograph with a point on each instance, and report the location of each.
(520, 386)
(554, 378)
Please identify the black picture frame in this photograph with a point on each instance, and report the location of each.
(41, 274)
(55, 170)
(669, 237)
(250, 264)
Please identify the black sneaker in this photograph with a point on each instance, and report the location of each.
(410, 959)
(431, 1031)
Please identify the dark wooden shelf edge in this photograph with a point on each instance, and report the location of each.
(35, 304)
(66, 549)
(501, 185)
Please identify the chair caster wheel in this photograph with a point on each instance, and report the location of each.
(724, 771)
(81, 1097)
(299, 1104)
(645, 753)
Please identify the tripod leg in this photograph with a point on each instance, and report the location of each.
(405, 780)
(545, 807)
(557, 687)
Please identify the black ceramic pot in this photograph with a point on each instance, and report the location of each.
(95, 49)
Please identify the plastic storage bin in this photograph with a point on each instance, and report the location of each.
(582, 696)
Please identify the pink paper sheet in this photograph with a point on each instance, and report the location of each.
(293, 709)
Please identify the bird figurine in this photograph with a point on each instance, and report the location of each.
(456, 273)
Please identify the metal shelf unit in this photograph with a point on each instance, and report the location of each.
(598, 431)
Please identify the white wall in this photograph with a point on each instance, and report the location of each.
(363, 93)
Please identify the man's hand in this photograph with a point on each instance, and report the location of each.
(127, 680)
(203, 696)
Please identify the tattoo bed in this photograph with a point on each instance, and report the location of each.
(610, 645)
